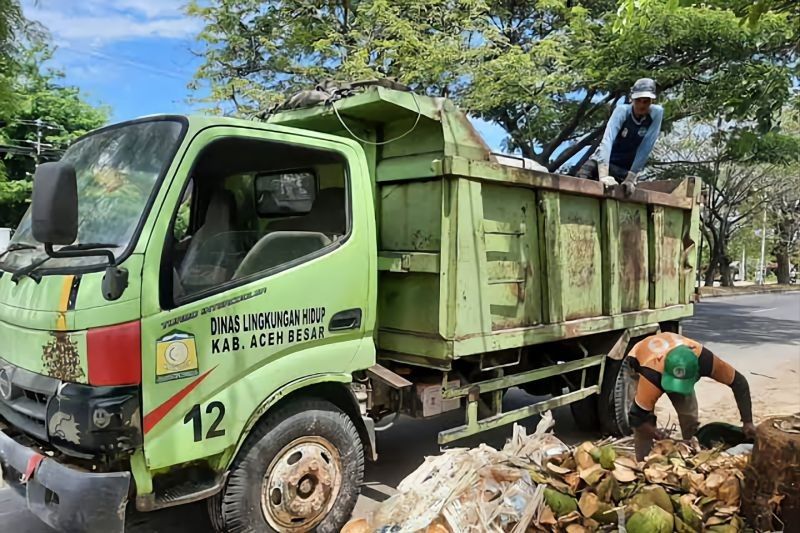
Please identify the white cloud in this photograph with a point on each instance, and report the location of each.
(154, 8)
(99, 22)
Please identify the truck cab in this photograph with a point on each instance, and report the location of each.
(237, 265)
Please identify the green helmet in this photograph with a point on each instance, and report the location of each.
(681, 371)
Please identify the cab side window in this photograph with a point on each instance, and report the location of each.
(255, 208)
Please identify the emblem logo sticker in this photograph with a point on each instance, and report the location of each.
(176, 357)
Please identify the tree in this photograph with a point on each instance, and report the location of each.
(785, 211)
(15, 32)
(749, 10)
(699, 56)
(736, 191)
(547, 71)
(11, 22)
(63, 115)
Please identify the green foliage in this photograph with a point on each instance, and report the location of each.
(16, 32)
(771, 147)
(181, 227)
(39, 94)
(11, 21)
(548, 72)
(758, 8)
(751, 11)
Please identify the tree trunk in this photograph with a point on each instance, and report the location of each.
(710, 271)
(783, 267)
(719, 260)
(782, 250)
(771, 495)
(725, 271)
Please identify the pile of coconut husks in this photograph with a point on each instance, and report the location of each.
(537, 483)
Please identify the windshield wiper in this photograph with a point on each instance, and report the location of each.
(28, 270)
(87, 246)
(72, 250)
(17, 247)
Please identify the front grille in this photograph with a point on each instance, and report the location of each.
(24, 404)
(37, 397)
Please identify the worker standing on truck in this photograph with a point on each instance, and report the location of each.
(671, 363)
(629, 138)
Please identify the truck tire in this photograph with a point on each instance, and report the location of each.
(616, 397)
(300, 470)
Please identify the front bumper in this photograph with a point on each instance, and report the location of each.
(66, 499)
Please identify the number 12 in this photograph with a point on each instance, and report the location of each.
(194, 416)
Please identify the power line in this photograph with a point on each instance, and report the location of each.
(42, 123)
(38, 148)
(122, 60)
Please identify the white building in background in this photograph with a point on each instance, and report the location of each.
(5, 237)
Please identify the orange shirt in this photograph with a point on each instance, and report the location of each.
(648, 361)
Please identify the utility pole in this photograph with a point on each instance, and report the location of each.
(703, 214)
(761, 264)
(38, 140)
(743, 266)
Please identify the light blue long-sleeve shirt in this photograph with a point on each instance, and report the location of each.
(603, 153)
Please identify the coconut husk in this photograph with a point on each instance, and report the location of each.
(652, 519)
(560, 503)
(536, 483)
(608, 490)
(623, 474)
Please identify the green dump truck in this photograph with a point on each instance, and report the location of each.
(215, 309)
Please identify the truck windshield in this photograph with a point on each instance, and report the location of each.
(117, 170)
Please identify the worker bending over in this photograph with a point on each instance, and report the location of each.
(671, 363)
(628, 140)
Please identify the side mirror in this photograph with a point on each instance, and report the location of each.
(55, 204)
(115, 281)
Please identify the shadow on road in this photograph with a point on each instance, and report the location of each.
(737, 323)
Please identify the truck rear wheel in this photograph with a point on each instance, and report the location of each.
(300, 470)
(616, 397)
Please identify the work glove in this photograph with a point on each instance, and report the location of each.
(629, 184)
(602, 170)
(608, 181)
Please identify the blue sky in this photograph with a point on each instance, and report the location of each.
(137, 56)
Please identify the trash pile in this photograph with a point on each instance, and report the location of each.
(537, 483)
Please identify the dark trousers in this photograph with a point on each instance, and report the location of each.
(589, 171)
(688, 418)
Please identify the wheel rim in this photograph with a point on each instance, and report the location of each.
(301, 484)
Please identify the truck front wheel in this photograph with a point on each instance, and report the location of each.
(300, 470)
(616, 397)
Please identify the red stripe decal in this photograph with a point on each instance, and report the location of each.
(157, 415)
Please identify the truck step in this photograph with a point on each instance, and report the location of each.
(186, 492)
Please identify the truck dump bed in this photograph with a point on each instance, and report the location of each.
(477, 255)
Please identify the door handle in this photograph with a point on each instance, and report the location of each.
(343, 320)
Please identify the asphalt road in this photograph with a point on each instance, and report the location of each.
(751, 332)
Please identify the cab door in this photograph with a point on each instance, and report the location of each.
(260, 273)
